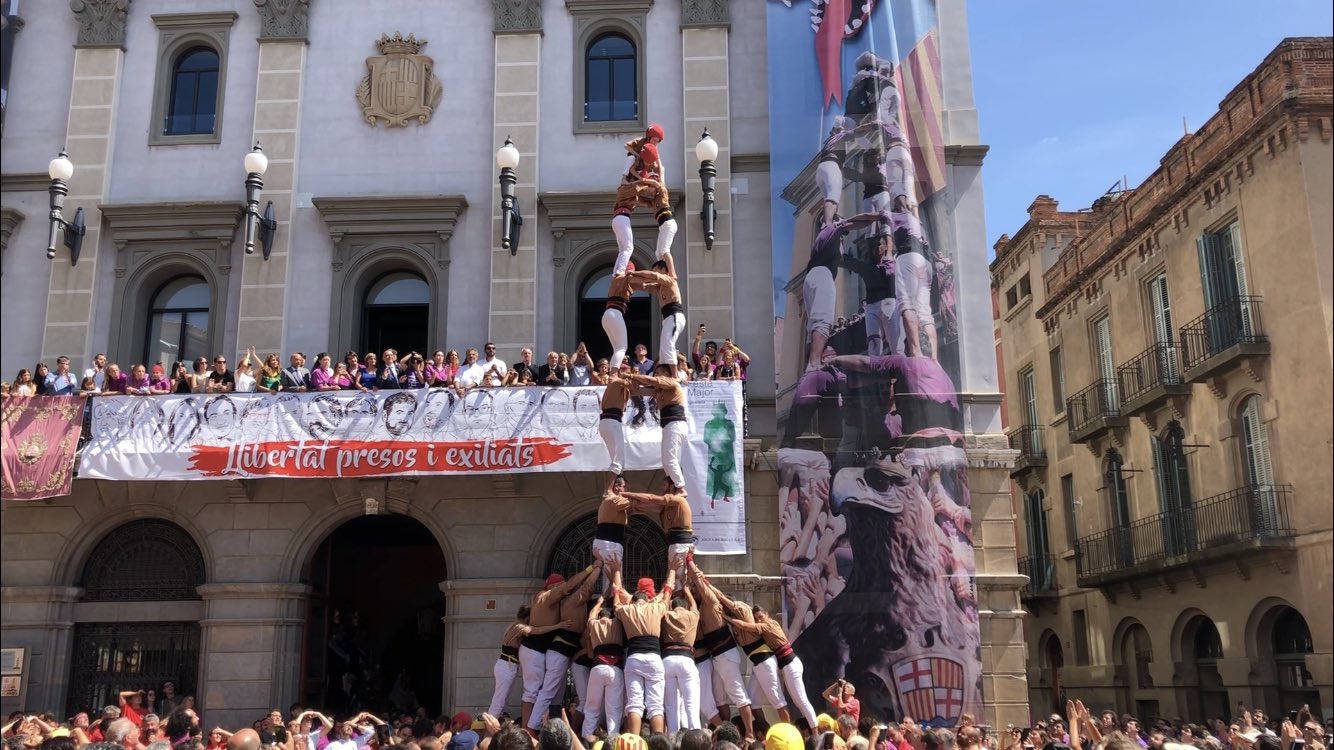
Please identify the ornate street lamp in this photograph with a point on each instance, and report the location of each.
(706, 151)
(60, 171)
(511, 221)
(256, 164)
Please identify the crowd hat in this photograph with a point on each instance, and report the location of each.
(784, 736)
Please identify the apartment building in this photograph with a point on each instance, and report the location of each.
(1168, 375)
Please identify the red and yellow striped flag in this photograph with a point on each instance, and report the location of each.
(918, 80)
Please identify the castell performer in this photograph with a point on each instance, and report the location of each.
(764, 669)
(604, 696)
(681, 676)
(507, 666)
(674, 515)
(670, 397)
(563, 642)
(720, 669)
(818, 292)
(613, 317)
(662, 278)
(642, 183)
(611, 426)
(789, 665)
(533, 653)
(641, 616)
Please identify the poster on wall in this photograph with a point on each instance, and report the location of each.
(875, 520)
(433, 432)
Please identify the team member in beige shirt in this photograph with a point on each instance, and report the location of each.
(764, 670)
(680, 677)
(507, 666)
(674, 515)
(662, 278)
(604, 696)
(719, 673)
(671, 400)
(789, 664)
(611, 424)
(533, 652)
(641, 616)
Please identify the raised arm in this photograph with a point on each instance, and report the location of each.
(595, 610)
(666, 594)
(830, 694)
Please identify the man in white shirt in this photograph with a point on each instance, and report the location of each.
(354, 734)
(98, 371)
(494, 367)
(472, 373)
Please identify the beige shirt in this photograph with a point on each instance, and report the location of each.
(667, 392)
(710, 609)
(675, 513)
(616, 394)
(574, 607)
(642, 618)
(614, 509)
(514, 634)
(679, 626)
(605, 631)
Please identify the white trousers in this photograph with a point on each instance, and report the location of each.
(672, 325)
(708, 706)
(666, 233)
(604, 698)
(764, 684)
(644, 685)
(878, 203)
(817, 296)
(613, 323)
(553, 683)
(505, 671)
(612, 432)
(673, 438)
(728, 685)
(681, 692)
(534, 666)
(797, 691)
(605, 550)
(829, 178)
(579, 673)
(912, 285)
(625, 241)
(884, 327)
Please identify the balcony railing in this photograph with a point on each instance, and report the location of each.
(1148, 378)
(1226, 331)
(1032, 452)
(1219, 526)
(1093, 411)
(1041, 572)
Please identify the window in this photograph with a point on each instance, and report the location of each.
(1057, 381)
(1080, 626)
(1255, 445)
(1222, 273)
(191, 77)
(1035, 519)
(396, 314)
(610, 83)
(1011, 297)
(193, 105)
(1173, 481)
(1068, 503)
(1106, 365)
(178, 322)
(1118, 500)
(1025, 287)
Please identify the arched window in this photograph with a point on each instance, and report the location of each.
(178, 322)
(1114, 481)
(1173, 480)
(145, 560)
(1255, 445)
(610, 79)
(593, 303)
(1291, 642)
(645, 549)
(1206, 647)
(396, 313)
(193, 105)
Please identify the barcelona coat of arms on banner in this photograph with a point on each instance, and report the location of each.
(400, 83)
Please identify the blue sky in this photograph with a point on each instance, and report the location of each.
(1074, 95)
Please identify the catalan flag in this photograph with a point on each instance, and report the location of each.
(918, 81)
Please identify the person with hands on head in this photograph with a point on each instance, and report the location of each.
(673, 512)
(641, 616)
(842, 698)
(130, 705)
(724, 656)
(706, 361)
(764, 668)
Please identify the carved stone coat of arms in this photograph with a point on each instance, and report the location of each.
(400, 83)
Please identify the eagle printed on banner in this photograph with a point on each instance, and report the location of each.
(400, 83)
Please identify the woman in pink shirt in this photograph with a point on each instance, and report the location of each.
(342, 378)
(322, 378)
(158, 383)
(115, 381)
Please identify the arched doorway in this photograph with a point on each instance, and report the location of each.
(1052, 659)
(645, 549)
(1203, 645)
(639, 320)
(1291, 642)
(396, 314)
(374, 639)
(1135, 657)
(144, 562)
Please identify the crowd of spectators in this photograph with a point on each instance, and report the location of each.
(368, 372)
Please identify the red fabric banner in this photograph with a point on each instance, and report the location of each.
(38, 439)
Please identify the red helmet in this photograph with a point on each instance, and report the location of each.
(654, 130)
(648, 153)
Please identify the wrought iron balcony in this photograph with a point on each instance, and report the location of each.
(1032, 451)
(1149, 378)
(1041, 572)
(1227, 332)
(1093, 411)
(1233, 523)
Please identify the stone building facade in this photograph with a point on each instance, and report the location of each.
(1168, 375)
(235, 589)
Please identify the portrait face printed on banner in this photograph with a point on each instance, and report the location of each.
(555, 411)
(184, 422)
(323, 416)
(587, 409)
(219, 417)
(437, 409)
(398, 412)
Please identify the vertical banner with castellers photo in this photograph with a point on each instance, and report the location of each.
(875, 523)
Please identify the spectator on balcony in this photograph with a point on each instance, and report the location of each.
(98, 371)
(113, 380)
(88, 387)
(5, 388)
(742, 359)
(525, 363)
(684, 372)
(581, 366)
(391, 371)
(198, 376)
(245, 375)
(158, 383)
(270, 378)
(640, 361)
(519, 377)
(180, 378)
(220, 379)
(602, 373)
(138, 384)
(296, 378)
(414, 372)
(494, 367)
(23, 384)
(61, 382)
(436, 371)
(367, 376)
(322, 377)
(728, 369)
(342, 378)
(552, 373)
(472, 373)
(39, 375)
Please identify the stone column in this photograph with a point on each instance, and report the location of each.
(39, 619)
(1000, 615)
(99, 56)
(708, 284)
(477, 611)
(278, 91)
(512, 320)
(250, 644)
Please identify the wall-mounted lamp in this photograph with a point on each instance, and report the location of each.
(706, 151)
(60, 171)
(256, 164)
(511, 221)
